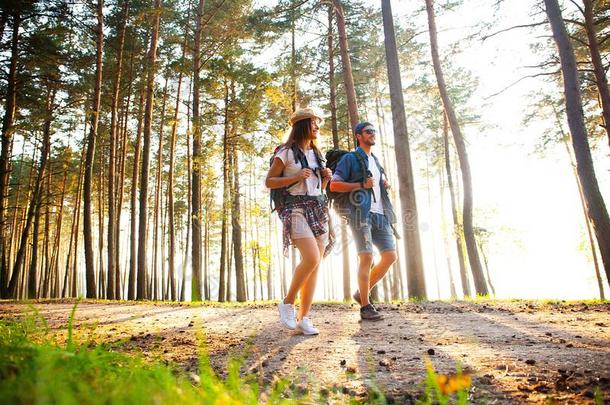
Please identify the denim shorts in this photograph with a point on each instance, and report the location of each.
(376, 231)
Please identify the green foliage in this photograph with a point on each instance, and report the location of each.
(36, 369)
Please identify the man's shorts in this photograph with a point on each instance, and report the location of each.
(377, 231)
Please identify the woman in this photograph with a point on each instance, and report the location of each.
(298, 167)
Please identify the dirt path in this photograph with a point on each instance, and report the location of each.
(519, 352)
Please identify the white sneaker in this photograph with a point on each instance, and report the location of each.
(287, 316)
(306, 326)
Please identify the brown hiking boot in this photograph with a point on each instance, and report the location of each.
(356, 298)
(369, 313)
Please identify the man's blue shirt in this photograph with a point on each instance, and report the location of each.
(349, 170)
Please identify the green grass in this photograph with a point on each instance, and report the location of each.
(35, 369)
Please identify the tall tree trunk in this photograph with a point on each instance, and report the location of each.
(240, 287)
(331, 80)
(189, 165)
(596, 208)
(5, 154)
(415, 267)
(70, 275)
(57, 240)
(457, 228)
(206, 253)
(170, 197)
(598, 66)
(13, 227)
(170, 181)
(157, 209)
(348, 79)
(45, 267)
(112, 225)
(34, 211)
(121, 185)
(100, 239)
(222, 284)
(133, 259)
(293, 58)
(270, 278)
(87, 187)
(150, 87)
(444, 228)
(75, 280)
(335, 132)
(598, 276)
(196, 215)
(460, 145)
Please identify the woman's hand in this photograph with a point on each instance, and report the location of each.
(327, 173)
(303, 174)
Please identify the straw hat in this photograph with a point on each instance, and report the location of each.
(304, 113)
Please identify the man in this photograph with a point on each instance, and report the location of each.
(370, 214)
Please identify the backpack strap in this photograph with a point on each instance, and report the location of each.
(300, 157)
(365, 170)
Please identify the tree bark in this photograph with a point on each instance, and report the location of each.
(70, 274)
(598, 276)
(596, 208)
(112, 225)
(189, 165)
(445, 238)
(196, 215)
(331, 80)
(598, 66)
(240, 288)
(121, 184)
(157, 209)
(34, 211)
(133, 258)
(87, 187)
(143, 214)
(5, 154)
(57, 240)
(170, 189)
(457, 229)
(415, 267)
(460, 145)
(348, 79)
(347, 294)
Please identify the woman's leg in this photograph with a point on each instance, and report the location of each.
(310, 258)
(309, 286)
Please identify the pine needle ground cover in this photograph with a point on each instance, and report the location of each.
(436, 352)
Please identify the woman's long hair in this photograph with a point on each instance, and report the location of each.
(300, 132)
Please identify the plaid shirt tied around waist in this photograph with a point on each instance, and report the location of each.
(316, 213)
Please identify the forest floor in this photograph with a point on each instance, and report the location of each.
(515, 352)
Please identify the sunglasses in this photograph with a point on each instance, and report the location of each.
(370, 131)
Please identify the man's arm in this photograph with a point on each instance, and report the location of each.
(339, 185)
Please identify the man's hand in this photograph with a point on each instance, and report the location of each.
(369, 183)
(303, 174)
(327, 173)
(386, 184)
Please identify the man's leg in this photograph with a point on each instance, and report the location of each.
(380, 269)
(364, 268)
(383, 238)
